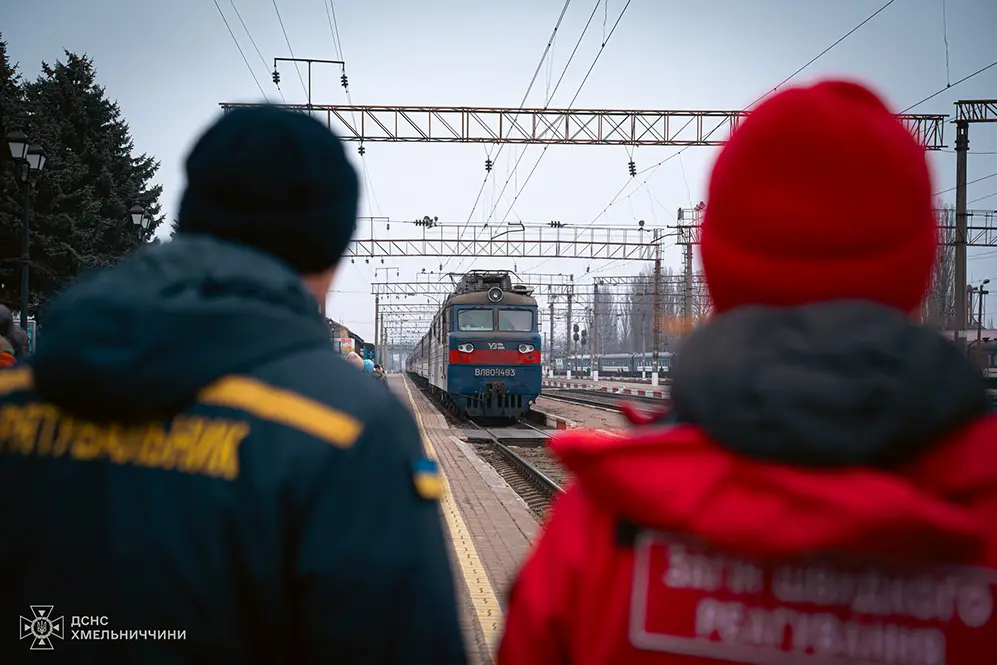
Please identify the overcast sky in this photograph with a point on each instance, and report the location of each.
(169, 64)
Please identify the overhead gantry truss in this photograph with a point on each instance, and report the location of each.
(979, 110)
(428, 309)
(462, 124)
(981, 228)
(445, 289)
(642, 279)
(519, 241)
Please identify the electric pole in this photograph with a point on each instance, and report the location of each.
(568, 335)
(595, 333)
(961, 295)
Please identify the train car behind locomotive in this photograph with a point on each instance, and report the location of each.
(482, 352)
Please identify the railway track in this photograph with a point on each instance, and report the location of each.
(536, 480)
(534, 485)
(599, 399)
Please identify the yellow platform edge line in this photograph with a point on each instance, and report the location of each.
(486, 605)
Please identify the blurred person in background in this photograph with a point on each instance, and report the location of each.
(7, 357)
(826, 486)
(354, 359)
(15, 340)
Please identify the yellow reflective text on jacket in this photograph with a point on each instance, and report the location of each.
(189, 444)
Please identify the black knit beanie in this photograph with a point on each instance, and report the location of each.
(274, 179)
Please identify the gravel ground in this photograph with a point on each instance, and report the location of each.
(544, 463)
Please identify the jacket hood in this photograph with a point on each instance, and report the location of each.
(830, 384)
(140, 339)
(835, 427)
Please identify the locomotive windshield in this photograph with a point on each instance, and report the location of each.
(515, 320)
(475, 320)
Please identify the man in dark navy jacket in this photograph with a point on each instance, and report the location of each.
(190, 473)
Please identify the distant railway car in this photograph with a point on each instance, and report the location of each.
(616, 364)
(482, 352)
(988, 359)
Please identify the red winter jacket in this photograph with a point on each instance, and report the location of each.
(762, 536)
(6, 354)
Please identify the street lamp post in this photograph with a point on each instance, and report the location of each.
(981, 294)
(141, 220)
(28, 160)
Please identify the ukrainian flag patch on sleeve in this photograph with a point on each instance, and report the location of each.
(426, 476)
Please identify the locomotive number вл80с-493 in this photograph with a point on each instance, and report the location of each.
(494, 371)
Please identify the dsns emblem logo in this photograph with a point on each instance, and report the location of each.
(42, 628)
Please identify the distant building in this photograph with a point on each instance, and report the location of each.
(345, 340)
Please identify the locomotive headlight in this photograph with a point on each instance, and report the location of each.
(526, 348)
(465, 348)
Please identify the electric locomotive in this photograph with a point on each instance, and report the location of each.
(482, 352)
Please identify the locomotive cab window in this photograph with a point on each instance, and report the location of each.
(515, 320)
(475, 320)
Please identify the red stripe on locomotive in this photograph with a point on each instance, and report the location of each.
(494, 357)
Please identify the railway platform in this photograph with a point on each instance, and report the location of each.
(603, 385)
(490, 528)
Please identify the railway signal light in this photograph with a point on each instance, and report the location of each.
(576, 337)
(575, 329)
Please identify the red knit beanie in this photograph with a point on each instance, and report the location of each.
(820, 194)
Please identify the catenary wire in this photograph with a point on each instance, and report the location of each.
(290, 50)
(982, 198)
(252, 41)
(546, 105)
(654, 167)
(522, 103)
(570, 104)
(547, 100)
(962, 80)
(971, 182)
(241, 52)
(338, 42)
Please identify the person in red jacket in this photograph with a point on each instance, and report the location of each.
(825, 489)
(7, 358)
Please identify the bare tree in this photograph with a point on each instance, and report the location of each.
(637, 312)
(608, 329)
(702, 304)
(938, 310)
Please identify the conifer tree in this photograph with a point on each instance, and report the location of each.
(11, 118)
(91, 178)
